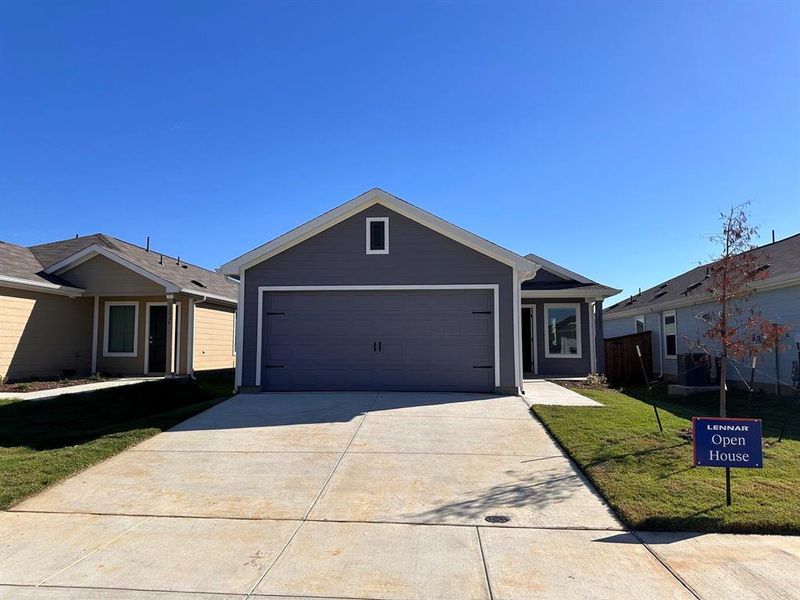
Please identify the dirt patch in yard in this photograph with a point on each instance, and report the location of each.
(36, 385)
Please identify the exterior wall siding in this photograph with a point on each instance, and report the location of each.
(43, 334)
(779, 305)
(417, 256)
(213, 337)
(99, 276)
(134, 365)
(561, 366)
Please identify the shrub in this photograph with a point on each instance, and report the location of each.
(596, 381)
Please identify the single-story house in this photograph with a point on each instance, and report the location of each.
(378, 294)
(673, 310)
(98, 304)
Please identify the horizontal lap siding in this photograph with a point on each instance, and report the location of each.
(561, 366)
(417, 256)
(43, 334)
(213, 338)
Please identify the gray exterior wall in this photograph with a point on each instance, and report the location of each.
(561, 366)
(779, 305)
(417, 256)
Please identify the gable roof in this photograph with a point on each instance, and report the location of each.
(554, 281)
(20, 268)
(50, 264)
(365, 200)
(691, 287)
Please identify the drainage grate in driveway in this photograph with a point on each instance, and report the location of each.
(497, 519)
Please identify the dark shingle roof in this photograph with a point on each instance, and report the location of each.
(783, 258)
(29, 263)
(19, 262)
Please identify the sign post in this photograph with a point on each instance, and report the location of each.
(722, 442)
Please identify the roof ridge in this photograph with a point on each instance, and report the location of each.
(175, 258)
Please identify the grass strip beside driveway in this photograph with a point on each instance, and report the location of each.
(44, 442)
(648, 477)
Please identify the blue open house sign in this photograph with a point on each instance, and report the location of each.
(727, 442)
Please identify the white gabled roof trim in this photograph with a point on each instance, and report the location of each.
(558, 269)
(359, 203)
(90, 252)
(41, 286)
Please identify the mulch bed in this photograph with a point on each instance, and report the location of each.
(20, 387)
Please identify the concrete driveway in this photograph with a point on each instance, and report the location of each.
(345, 495)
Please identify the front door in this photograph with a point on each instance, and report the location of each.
(157, 336)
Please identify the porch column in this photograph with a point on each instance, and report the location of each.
(170, 336)
(601, 345)
(95, 328)
(592, 337)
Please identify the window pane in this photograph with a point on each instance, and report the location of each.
(562, 331)
(671, 345)
(377, 235)
(640, 325)
(121, 325)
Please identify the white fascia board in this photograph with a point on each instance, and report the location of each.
(594, 293)
(356, 205)
(40, 286)
(787, 280)
(558, 269)
(202, 294)
(91, 251)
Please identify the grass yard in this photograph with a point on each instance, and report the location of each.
(648, 477)
(43, 442)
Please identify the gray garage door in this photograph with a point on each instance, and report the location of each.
(378, 340)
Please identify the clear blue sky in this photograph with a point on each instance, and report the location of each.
(605, 136)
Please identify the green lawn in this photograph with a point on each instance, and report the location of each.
(43, 442)
(648, 477)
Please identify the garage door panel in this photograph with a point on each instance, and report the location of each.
(429, 340)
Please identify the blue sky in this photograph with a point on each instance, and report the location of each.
(604, 136)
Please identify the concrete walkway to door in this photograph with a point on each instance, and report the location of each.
(347, 495)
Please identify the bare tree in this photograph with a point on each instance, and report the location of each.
(736, 328)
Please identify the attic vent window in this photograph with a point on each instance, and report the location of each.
(760, 269)
(198, 283)
(662, 286)
(378, 235)
(658, 295)
(694, 286)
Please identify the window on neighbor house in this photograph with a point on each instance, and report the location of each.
(120, 328)
(378, 235)
(670, 334)
(639, 324)
(563, 330)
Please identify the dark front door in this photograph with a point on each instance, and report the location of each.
(440, 340)
(527, 341)
(157, 346)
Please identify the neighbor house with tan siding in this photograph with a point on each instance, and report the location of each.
(97, 304)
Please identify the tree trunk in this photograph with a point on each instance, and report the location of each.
(723, 376)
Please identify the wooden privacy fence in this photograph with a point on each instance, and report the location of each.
(622, 362)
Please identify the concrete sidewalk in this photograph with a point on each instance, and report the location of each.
(541, 391)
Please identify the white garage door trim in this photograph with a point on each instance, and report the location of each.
(347, 288)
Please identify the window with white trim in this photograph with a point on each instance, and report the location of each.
(377, 235)
(670, 334)
(563, 327)
(639, 324)
(121, 327)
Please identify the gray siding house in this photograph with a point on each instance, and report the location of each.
(378, 294)
(672, 309)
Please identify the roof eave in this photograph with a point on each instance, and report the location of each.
(40, 286)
